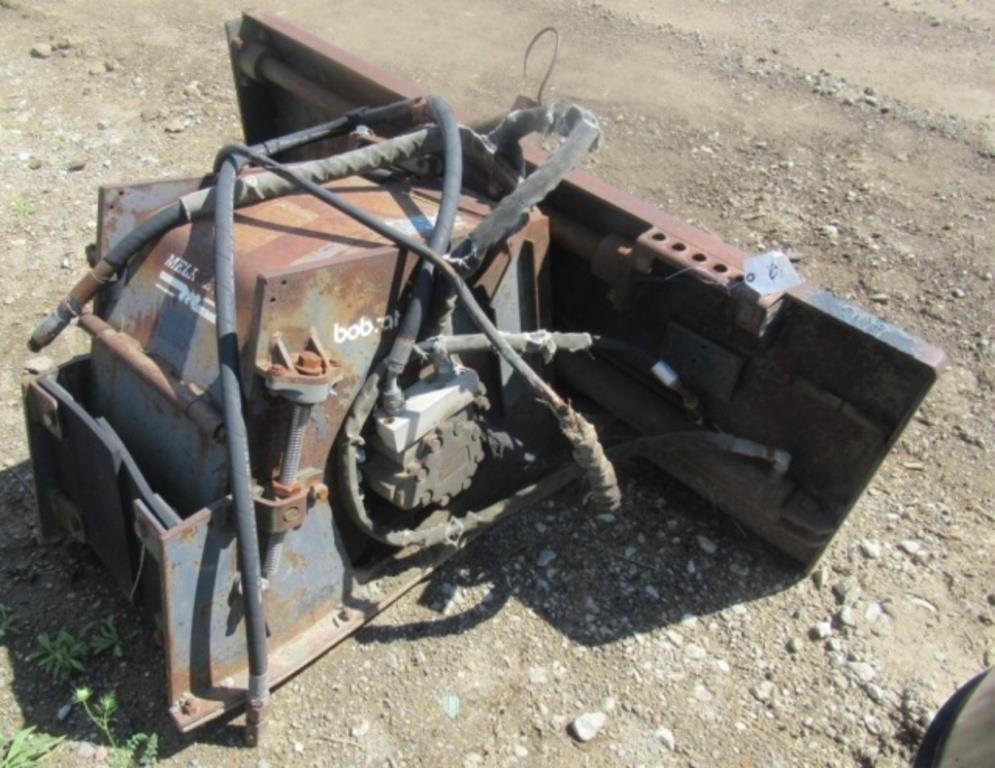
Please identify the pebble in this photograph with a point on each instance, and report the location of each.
(870, 549)
(820, 576)
(537, 675)
(708, 546)
(176, 125)
(586, 726)
(763, 691)
(695, 652)
(35, 163)
(910, 546)
(41, 50)
(821, 630)
(793, 645)
(863, 671)
(298, 747)
(847, 616)
(97, 68)
(545, 557)
(76, 164)
(873, 612)
(875, 692)
(958, 293)
(665, 736)
(360, 729)
(830, 231)
(86, 750)
(64, 710)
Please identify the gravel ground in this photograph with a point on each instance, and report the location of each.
(859, 137)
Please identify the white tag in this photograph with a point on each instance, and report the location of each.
(770, 272)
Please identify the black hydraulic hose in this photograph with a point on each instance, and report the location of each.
(511, 213)
(421, 292)
(587, 451)
(236, 437)
(177, 213)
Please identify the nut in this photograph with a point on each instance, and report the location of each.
(292, 515)
(309, 363)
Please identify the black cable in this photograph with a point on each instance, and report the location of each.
(236, 436)
(421, 292)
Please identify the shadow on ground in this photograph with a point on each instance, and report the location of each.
(663, 556)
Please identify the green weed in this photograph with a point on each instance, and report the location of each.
(106, 638)
(23, 207)
(8, 624)
(141, 748)
(60, 656)
(26, 748)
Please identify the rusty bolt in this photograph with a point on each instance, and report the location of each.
(309, 364)
(292, 515)
(321, 492)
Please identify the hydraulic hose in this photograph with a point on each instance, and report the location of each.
(421, 292)
(586, 449)
(237, 442)
(581, 130)
(258, 188)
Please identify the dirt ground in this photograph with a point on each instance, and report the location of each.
(860, 136)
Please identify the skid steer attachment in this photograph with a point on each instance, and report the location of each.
(321, 369)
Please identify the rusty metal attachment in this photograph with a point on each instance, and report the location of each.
(525, 294)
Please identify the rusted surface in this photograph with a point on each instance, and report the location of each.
(192, 404)
(761, 364)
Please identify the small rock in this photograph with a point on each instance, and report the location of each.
(863, 671)
(793, 645)
(820, 576)
(870, 549)
(847, 616)
(695, 652)
(665, 736)
(910, 547)
(298, 748)
(64, 711)
(537, 676)
(86, 750)
(41, 50)
(958, 293)
(76, 164)
(176, 125)
(763, 691)
(34, 163)
(97, 68)
(360, 729)
(873, 612)
(586, 726)
(830, 231)
(708, 546)
(545, 557)
(875, 692)
(521, 752)
(821, 630)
